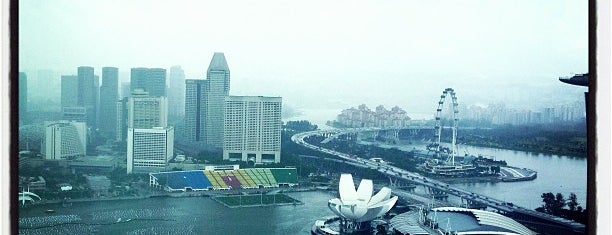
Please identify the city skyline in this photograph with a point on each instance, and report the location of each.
(113, 93)
(487, 51)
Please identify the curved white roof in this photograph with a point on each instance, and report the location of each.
(491, 219)
(27, 194)
(346, 188)
(359, 205)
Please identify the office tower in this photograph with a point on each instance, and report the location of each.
(252, 129)
(204, 103)
(218, 79)
(195, 109)
(148, 150)
(45, 86)
(70, 91)
(108, 102)
(145, 111)
(151, 80)
(70, 100)
(125, 90)
(97, 99)
(23, 98)
(176, 92)
(87, 93)
(121, 127)
(64, 140)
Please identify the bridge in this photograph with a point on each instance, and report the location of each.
(540, 221)
(390, 133)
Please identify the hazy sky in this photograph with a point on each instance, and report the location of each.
(329, 54)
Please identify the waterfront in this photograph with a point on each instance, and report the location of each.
(556, 174)
(188, 215)
(197, 215)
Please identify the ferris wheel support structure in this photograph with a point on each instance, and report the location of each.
(438, 127)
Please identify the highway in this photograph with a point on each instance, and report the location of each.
(428, 182)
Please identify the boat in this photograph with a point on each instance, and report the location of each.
(50, 211)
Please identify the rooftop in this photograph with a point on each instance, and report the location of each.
(218, 62)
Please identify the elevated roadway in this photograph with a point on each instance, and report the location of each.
(520, 214)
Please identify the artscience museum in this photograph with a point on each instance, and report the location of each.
(357, 207)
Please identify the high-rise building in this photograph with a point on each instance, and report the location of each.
(151, 80)
(252, 129)
(71, 110)
(108, 102)
(176, 92)
(218, 77)
(149, 140)
(44, 88)
(70, 91)
(125, 90)
(145, 111)
(195, 109)
(87, 93)
(97, 99)
(64, 140)
(205, 101)
(148, 150)
(23, 98)
(122, 113)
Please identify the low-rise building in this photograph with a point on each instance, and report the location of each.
(93, 164)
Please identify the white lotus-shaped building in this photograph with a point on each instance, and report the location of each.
(359, 205)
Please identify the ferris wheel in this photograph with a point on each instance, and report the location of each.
(438, 125)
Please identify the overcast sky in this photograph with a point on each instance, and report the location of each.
(327, 54)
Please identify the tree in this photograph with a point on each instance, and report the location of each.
(381, 229)
(573, 202)
(549, 202)
(300, 126)
(559, 203)
(554, 205)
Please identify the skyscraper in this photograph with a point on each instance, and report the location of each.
(97, 99)
(252, 129)
(87, 92)
(176, 92)
(195, 109)
(205, 101)
(218, 77)
(108, 102)
(151, 80)
(148, 150)
(64, 140)
(121, 126)
(125, 90)
(149, 139)
(145, 111)
(71, 110)
(23, 98)
(70, 91)
(44, 87)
